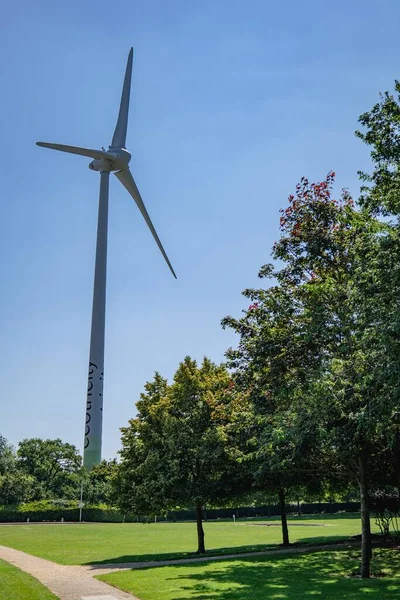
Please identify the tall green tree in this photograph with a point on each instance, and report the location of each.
(55, 465)
(381, 196)
(332, 283)
(272, 361)
(140, 485)
(180, 448)
(333, 254)
(197, 427)
(15, 487)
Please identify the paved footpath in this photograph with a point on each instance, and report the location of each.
(78, 583)
(66, 582)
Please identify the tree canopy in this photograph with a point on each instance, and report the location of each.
(181, 448)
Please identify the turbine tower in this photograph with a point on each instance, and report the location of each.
(115, 160)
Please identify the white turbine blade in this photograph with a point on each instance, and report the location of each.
(127, 180)
(99, 154)
(119, 137)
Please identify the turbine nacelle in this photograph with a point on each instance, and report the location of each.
(101, 165)
(118, 161)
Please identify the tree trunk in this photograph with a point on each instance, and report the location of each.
(366, 551)
(200, 531)
(285, 532)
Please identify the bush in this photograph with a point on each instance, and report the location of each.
(385, 506)
(55, 510)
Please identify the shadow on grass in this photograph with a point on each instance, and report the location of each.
(133, 558)
(322, 575)
(128, 558)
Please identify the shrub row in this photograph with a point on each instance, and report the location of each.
(269, 510)
(56, 510)
(47, 510)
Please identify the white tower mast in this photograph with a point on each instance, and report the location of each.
(94, 402)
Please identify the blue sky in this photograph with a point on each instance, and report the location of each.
(232, 102)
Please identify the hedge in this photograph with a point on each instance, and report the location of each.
(47, 510)
(56, 510)
(270, 510)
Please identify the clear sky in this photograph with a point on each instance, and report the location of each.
(232, 102)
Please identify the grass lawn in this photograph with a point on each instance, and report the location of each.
(322, 575)
(17, 585)
(128, 542)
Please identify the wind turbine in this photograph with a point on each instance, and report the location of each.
(115, 160)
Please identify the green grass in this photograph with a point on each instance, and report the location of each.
(129, 542)
(324, 575)
(311, 517)
(17, 585)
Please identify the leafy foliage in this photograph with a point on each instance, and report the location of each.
(181, 447)
(7, 456)
(381, 192)
(315, 347)
(99, 485)
(17, 487)
(385, 505)
(55, 465)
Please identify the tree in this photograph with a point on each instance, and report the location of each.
(381, 195)
(179, 449)
(335, 256)
(271, 362)
(314, 343)
(140, 484)
(17, 487)
(55, 465)
(7, 456)
(99, 486)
